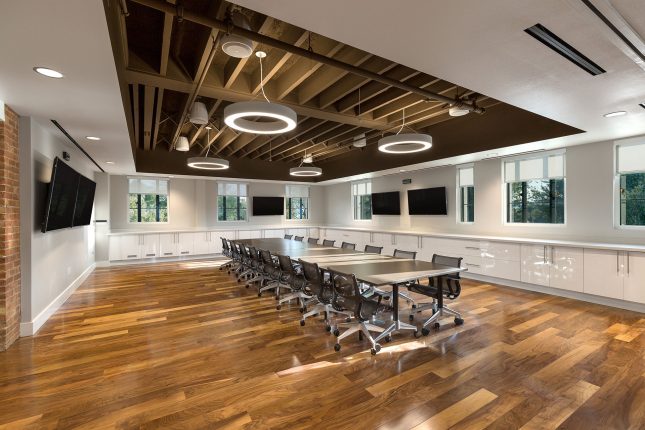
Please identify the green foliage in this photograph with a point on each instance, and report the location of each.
(231, 208)
(297, 208)
(467, 197)
(536, 201)
(148, 208)
(632, 199)
(363, 206)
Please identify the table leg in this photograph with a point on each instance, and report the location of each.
(396, 324)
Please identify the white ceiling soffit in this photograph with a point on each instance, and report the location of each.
(71, 37)
(482, 46)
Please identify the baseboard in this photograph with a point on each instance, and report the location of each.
(599, 300)
(159, 260)
(31, 328)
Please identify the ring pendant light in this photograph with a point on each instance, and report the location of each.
(405, 143)
(206, 162)
(305, 170)
(273, 118)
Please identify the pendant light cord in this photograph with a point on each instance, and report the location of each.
(403, 124)
(208, 142)
(262, 81)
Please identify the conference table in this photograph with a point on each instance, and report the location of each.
(373, 269)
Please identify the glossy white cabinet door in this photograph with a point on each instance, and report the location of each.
(634, 276)
(167, 244)
(185, 243)
(201, 242)
(115, 248)
(567, 268)
(130, 246)
(603, 273)
(274, 233)
(500, 250)
(503, 269)
(473, 264)
(149, 245)
(215, 244)
(535, 265)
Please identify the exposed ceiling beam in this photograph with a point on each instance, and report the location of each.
(304, 125)
(165, 41)
(303, 128)
(157, 118)
(309, 135)
(409, 100)
(148, 116)
(135, 113)
(393, 94)
(234, 66)
(324, 137)
(323, 141)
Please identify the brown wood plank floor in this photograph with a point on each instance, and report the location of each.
(182, 345)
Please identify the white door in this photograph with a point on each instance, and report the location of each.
(167, 244)
(201, 242)
(185, 243)
(130, 245)
(603, 273)
(149, 245)
(535, 265)
(567, 268)
(635, 277)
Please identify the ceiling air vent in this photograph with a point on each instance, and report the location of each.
(545, 36)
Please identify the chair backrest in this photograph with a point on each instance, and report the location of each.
(312, 240)
(244, 251)
(235, 249)
(266, 257)
(288, 236)
(253, 253)
(285, 264)
(312, 275)
(373, 249)
(451, 282)
(398, 253)
(328, 242)
(347, 245)
(225, 244)
(347, 294)
(298, 238)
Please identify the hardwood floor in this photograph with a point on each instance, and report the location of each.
(183, 345)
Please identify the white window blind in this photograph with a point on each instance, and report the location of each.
(631, 158)
(361, 188)
(147, 186)
(545, 166)
(231, 189)
(297, 191)
(466, 176)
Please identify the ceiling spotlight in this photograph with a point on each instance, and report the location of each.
(405, 143)
(92, 138)
(360, 141)
(274, 118)
(234, 45)
(458, 111)
(198, 114)
(305, 171)
(617, 113)
(182, 144)
(109, 162)
(308, 159)
(50, 73)
(207, 163)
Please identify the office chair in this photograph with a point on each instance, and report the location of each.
(256, 267)
(290, 275)
(247, 263)
(373, 249)
(270, 273)
(288, 236)
(321, 292)
(347, 296)
(411, 255)
(450, 289)
(347, 245)
(312, 241)
(298, 238)
(328, 242)
(236, 267)
(226, 252)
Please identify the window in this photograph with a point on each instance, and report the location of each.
(466, 190)
(362, 199)
(630, 172)
(231, 202)
(297, 201)
(535, 189)
(148, 200)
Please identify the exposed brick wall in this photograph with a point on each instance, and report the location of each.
(9, 230)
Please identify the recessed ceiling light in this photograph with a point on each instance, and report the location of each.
(617, 113)
(109, 162)
(50, 73)
(92, 138)
(402, 170)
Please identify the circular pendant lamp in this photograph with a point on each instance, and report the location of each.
(208, 163)
(260, 117)
(305, 171)
(405, 143)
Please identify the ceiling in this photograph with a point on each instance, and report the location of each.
(70, 37)
(164, 63)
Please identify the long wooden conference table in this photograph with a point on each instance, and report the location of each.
(374, 269)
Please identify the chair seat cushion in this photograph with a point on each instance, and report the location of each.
(371, 307)
(426, 290)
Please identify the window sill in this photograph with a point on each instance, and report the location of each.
(532, 224)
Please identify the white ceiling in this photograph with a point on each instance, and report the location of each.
(70, 36)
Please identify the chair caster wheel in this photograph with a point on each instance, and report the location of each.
(259, 294)
(425, 331)
(302, 322)
(376, 349)
(348, 320)
(328, 328)
(417, 334)
(411, 317)
(336, 332)
(239, 279)
(247, 285)
(302, 310)
(360, 335)
(388, 339)
(458, 321)
(277, 308)
(414, 306)
(337, 347)
(277, 297)
(437, 325)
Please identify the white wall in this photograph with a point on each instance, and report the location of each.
(193, 204)
(52, 263)
(589, 201)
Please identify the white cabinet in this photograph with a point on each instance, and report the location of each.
(149, 245)
(185, 243)
(130, 247)
(201, 242)
(167, 244)
(566, 268)
(114, 252)
(603, 273)
(535, 265)
(634, 279)
(274, 233)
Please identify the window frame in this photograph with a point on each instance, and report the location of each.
(459, 189)
(237, 196)
(127, 205)
(616, 185)
(353, 202)
(287, 198)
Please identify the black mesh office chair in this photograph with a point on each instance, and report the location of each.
(298, 238)
(247, 263)
(290, 275)
(226, 252)
(347, 296)
(236, 267)
(328, 242)
(321, 291)
(288, 236)
(257, 274)
(398, 253)
(312, 241)
(373, 249)
(270, 273)
(347, 245)
(447, 286)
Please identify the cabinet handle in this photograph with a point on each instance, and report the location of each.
(617, 262)
(551, 255)
(167, 253)
(132, 256)
(544, 254)
(628, 254)
(473, 247)
(185, 252)
(150, 255)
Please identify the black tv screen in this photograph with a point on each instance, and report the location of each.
(428, 201)
(61, 198)
(84, 201)
(386, 203)
(268, 206)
